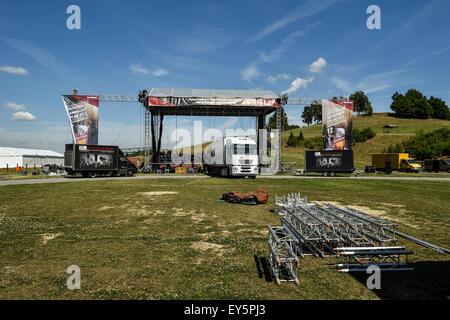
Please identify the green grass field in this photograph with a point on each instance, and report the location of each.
(363, 150)
(172, 239)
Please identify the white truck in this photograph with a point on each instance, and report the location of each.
(231, 157)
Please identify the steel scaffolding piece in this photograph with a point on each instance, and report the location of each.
(325, 230)
(283, 255)
(358, 238)
(386, 258)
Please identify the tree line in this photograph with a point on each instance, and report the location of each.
(423, 146)
(412, 104)
(359, 135)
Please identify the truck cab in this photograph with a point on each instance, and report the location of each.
(244, 159)
(232, 156)
(409, 165)
(126, 167)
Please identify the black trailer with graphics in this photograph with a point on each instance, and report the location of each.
(437, 165)
(329, 162)
(95, 160)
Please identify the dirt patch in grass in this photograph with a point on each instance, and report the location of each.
(179, 212)
(49, 236)
(141, 212)
(157, 193)
(205, 246)
(196, 215)
(105, 208)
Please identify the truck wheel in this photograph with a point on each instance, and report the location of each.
(130, 173)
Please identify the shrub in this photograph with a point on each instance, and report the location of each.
(362, 135)
(425, 145)
(315, 143)
(292, 140)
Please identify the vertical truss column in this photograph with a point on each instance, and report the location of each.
(147, 139)
(283, 255)
(278, 138)
(261, 137)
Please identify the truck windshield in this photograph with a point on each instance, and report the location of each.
(244, 149)
(412, 161)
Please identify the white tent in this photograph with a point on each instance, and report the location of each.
(12, 157)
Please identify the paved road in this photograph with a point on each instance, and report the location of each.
(61, 179)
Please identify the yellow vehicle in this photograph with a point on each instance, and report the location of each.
(180, 170)
(394, 161)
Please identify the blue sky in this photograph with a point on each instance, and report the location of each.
(312, 49)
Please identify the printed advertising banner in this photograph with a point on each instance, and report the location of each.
(97, 157)
(83, 115)
(245, 102)
(337, 121)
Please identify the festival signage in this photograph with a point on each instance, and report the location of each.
(82, 111)
(337, 122)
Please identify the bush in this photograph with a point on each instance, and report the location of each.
(315, 143)
(362, 135)
(292, 141)
(425, 145)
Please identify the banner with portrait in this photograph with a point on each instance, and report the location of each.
(337, 124)
(82, 111)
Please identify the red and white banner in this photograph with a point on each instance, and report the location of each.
(82, 111)
(337, 124)
(244, 102)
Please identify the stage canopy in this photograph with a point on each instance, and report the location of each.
(210, 102)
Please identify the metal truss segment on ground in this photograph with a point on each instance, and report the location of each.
(283, 255)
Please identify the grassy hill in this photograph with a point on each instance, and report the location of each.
(406, 128)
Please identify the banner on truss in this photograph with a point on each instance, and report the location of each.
(82, 111)
(234, 102)
(337, 123)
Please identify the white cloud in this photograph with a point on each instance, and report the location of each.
(276, 53)
(40, 55)
(45, 58)
(307, 9)
(160, 72)
(14, 70)
(370, 83)
(297, 84)
(23, 116)
(342, 84)
(250, 72)
(139, 69)
(15, 106)
(317, 65)
(282, 76)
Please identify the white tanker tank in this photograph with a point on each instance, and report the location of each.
(232, 156)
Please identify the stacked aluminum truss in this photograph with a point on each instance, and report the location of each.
(358, 238)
